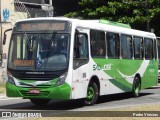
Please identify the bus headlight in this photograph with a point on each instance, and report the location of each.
(61, 79)
(10, 79)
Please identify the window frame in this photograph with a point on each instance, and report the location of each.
(93, 55)
(141, 47)
(155, 49)
(117, 43)
(78, 62)
(144, 47)
(131, 37)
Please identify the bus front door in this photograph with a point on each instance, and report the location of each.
(80, 65)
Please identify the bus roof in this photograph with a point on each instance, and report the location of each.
(96, 24)
(114, 23)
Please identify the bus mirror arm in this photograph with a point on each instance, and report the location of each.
(4, 39)
(5, 36)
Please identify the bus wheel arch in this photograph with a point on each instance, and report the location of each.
(92, 91)
(96, 80)
(136, 87)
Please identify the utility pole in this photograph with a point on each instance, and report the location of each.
(147, 14)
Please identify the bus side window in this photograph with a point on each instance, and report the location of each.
(148, 48)
(98, 44)
(137, 48)
(126, 47)
(155, 49)
(81, 54)
(112, 45)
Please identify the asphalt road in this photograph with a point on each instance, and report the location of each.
(147, 96)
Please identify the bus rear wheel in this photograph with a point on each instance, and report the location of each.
(136, 87)
(92, 94)
(39, 101)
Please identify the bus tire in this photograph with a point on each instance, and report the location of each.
(92, 94)
(136, 87)
(39, 101)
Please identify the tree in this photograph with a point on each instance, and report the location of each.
(137, 13)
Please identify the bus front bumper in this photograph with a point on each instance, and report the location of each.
(61, 92)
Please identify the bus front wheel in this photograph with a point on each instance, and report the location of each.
(92, 94)
(39, 101)
(136, 87)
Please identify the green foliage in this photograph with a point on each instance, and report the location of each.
(134, 12)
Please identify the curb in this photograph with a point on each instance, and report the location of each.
(3, 96)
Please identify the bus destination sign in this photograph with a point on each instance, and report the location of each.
(41, 26)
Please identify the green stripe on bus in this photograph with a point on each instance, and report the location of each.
(128, 68)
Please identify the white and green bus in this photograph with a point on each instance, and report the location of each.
(60, 58)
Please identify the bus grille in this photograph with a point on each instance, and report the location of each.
(35, 77)
(43, 86)
(37, 86)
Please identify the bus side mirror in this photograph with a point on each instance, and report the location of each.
(5, 36)
(4, 39)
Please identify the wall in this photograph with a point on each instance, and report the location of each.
(8, 18)
(3, 72)
(5, 11)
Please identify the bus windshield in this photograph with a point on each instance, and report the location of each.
(39, 51)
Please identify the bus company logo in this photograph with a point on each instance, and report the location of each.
(104, 67)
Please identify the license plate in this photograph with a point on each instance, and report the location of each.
(34, 91)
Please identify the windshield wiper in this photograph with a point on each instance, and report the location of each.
(28, 41)
(52, 43)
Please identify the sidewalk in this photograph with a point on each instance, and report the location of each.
(3, 96)
(2, 90)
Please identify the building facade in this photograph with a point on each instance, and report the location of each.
(34, 8)
(14, 10)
